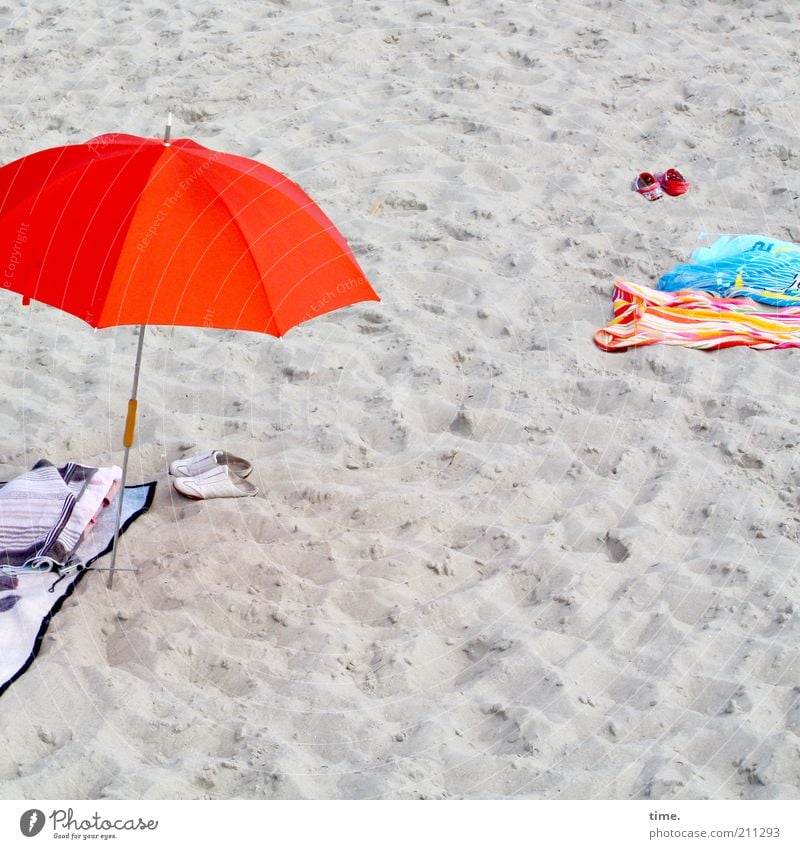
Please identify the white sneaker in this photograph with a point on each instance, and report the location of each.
(190, 467)
(218, 482)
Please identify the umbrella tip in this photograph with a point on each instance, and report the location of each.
(168, 129)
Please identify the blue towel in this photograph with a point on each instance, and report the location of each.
(757, 267)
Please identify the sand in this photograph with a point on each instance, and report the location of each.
(488, 560)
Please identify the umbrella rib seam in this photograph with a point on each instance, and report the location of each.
(245, 242)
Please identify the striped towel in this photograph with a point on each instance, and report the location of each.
(694, 319)
(37, 509)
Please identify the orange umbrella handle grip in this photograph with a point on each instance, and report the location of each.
(130, 424)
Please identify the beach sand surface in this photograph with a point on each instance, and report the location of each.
(487, 559)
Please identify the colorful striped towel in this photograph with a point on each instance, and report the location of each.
(694, 319)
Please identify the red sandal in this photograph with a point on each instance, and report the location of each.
(647, 186)
(672, 182)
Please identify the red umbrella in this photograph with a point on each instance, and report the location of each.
(128, 230)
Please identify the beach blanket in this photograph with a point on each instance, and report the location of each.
(29, 600)
(757, 267)
(694, 319)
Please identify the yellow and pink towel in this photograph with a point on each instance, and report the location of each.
(695, 319)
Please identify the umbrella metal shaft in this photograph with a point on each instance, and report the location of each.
(127, 440)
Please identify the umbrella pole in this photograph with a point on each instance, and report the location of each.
(127, 441)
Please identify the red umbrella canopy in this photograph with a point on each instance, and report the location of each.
(128, 230)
